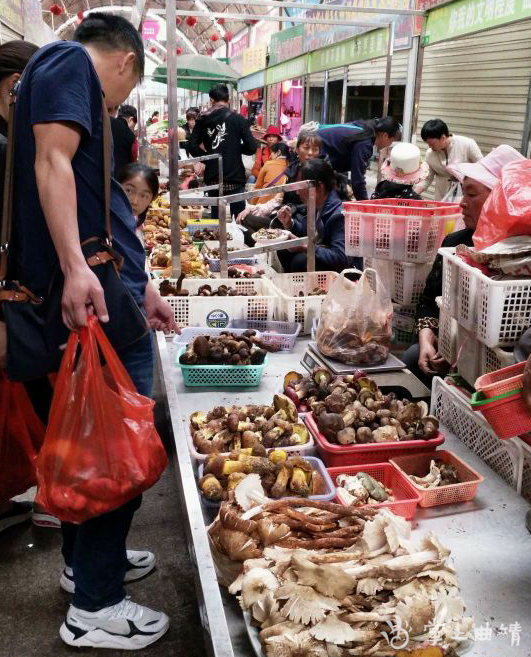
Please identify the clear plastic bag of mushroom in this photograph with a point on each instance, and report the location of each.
(355, 323)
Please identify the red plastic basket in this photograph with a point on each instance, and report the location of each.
(406, 497)
(506, 413)
(341, 455)
(501, 381)
(419, 465)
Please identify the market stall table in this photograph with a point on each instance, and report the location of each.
(488, 539)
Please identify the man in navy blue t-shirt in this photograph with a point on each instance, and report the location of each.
(58, 203)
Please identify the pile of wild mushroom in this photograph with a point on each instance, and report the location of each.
(384, 597)
(208, 235)
(352, 410)
(280, 475)
(252, 522)
(238, 272)
(440, 474)
(227, 349)
(361, 489)
(256, 427)
(316, 292)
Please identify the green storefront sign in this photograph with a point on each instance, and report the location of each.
(286, 44)
(294, 68)
(358, 49)
(466, 16)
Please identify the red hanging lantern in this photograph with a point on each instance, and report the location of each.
(80, 15)
(220, 21)
(178, 20)
(227, 37)
(56, 10)
(153, 49)
(214, 37)
(190, 21)
(178, 51)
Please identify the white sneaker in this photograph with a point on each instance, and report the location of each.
(124, 626)
(141, 563)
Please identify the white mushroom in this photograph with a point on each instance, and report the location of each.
(328, 580)
(255, 584)
(250, 492)
(336, 631)
(304, 605)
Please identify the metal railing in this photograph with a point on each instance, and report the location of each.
(224, 202)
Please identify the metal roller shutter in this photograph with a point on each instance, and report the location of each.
(372, 71)
(479, 85)
(7, 34)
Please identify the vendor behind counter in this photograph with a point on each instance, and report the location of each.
(330, 191)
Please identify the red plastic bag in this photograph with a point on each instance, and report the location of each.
(507, 211)
(21, 437)
(101, 448)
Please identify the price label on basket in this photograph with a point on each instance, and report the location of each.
(217, 319)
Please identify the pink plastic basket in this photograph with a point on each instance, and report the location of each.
(506, 413)
(397, 229)
(419, 465)
(406, 497)
(342, 455)
(501, 381)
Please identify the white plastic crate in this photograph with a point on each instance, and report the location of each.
(526, 473)
(397, 229)
(217, 312)
(447, 341)
(498, 312)
(384, 269)
(495, 359)
(453, 410)
(303, 309)
(405, 281)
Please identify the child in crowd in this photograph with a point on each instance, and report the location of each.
(141, 185)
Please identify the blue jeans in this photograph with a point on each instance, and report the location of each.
(96, 549)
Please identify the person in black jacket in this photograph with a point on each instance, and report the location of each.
(123, 137)
(220, 130)
(477, 179)
(329, 222)
(350, 146)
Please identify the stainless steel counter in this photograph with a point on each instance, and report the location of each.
(491, 548)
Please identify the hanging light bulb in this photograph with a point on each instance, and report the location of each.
(214, 37)
(286, 87)
(190, 21)
(178, 20)
(80, 15)
(227, 37)
(153, 49)
(220, 21)
(178, 51)
(56, 10)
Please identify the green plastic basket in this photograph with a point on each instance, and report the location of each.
(221, 376)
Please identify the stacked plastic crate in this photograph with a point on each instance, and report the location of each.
(399, 238)
(490, 315)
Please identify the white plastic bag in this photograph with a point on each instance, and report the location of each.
(355, 323)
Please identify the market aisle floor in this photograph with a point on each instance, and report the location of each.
(32, 606)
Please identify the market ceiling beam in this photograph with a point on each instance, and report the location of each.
(276, 19)
(270, 4)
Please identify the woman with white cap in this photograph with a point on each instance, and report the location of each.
(478, 180)
(400, 171)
